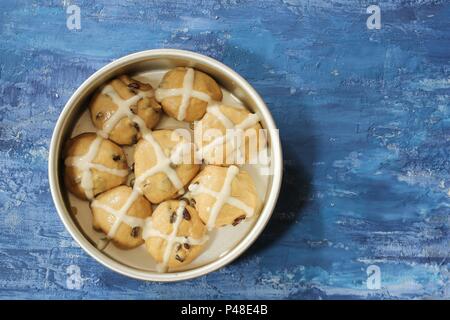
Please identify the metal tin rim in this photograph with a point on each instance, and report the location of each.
(231, 255)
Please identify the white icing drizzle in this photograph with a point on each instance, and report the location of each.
(171, 238)
(162, 165)
(161, 94)
(186, 92)
(248, 122)
(215, 111)
(188, 85)
(85, 164)
(222, 197)
(123, 107)
(121, 214)
(150, 231)
(179, 151)
(232, 132)
(162, 162)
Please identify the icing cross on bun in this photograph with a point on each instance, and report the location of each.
(229, 135)
(116, 106)
(124, 111)
(93, 165)
(164, 164)
(185, 93)
(224, 196)
(120, 213)
(175, 235)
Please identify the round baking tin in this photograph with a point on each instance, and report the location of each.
(159, 59)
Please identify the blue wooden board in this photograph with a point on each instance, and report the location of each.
(364, 121)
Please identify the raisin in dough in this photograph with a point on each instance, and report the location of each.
(131, 98)
(175, 235)
(108, 206)
(210, 135)
(93, 165)
(224, 196)
(184, 93)
(160, 172)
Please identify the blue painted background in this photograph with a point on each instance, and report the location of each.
(365, 126)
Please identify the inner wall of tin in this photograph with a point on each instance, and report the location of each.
(82, 101)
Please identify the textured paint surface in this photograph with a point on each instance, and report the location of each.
(365, 126)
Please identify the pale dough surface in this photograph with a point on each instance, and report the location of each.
(196, 108)
(191, 226)
(109, 154)
(125, 131)
(125, 237)
(210, 127)
(242, 188)
(158, 187)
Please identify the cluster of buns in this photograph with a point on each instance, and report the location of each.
(163, 200)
